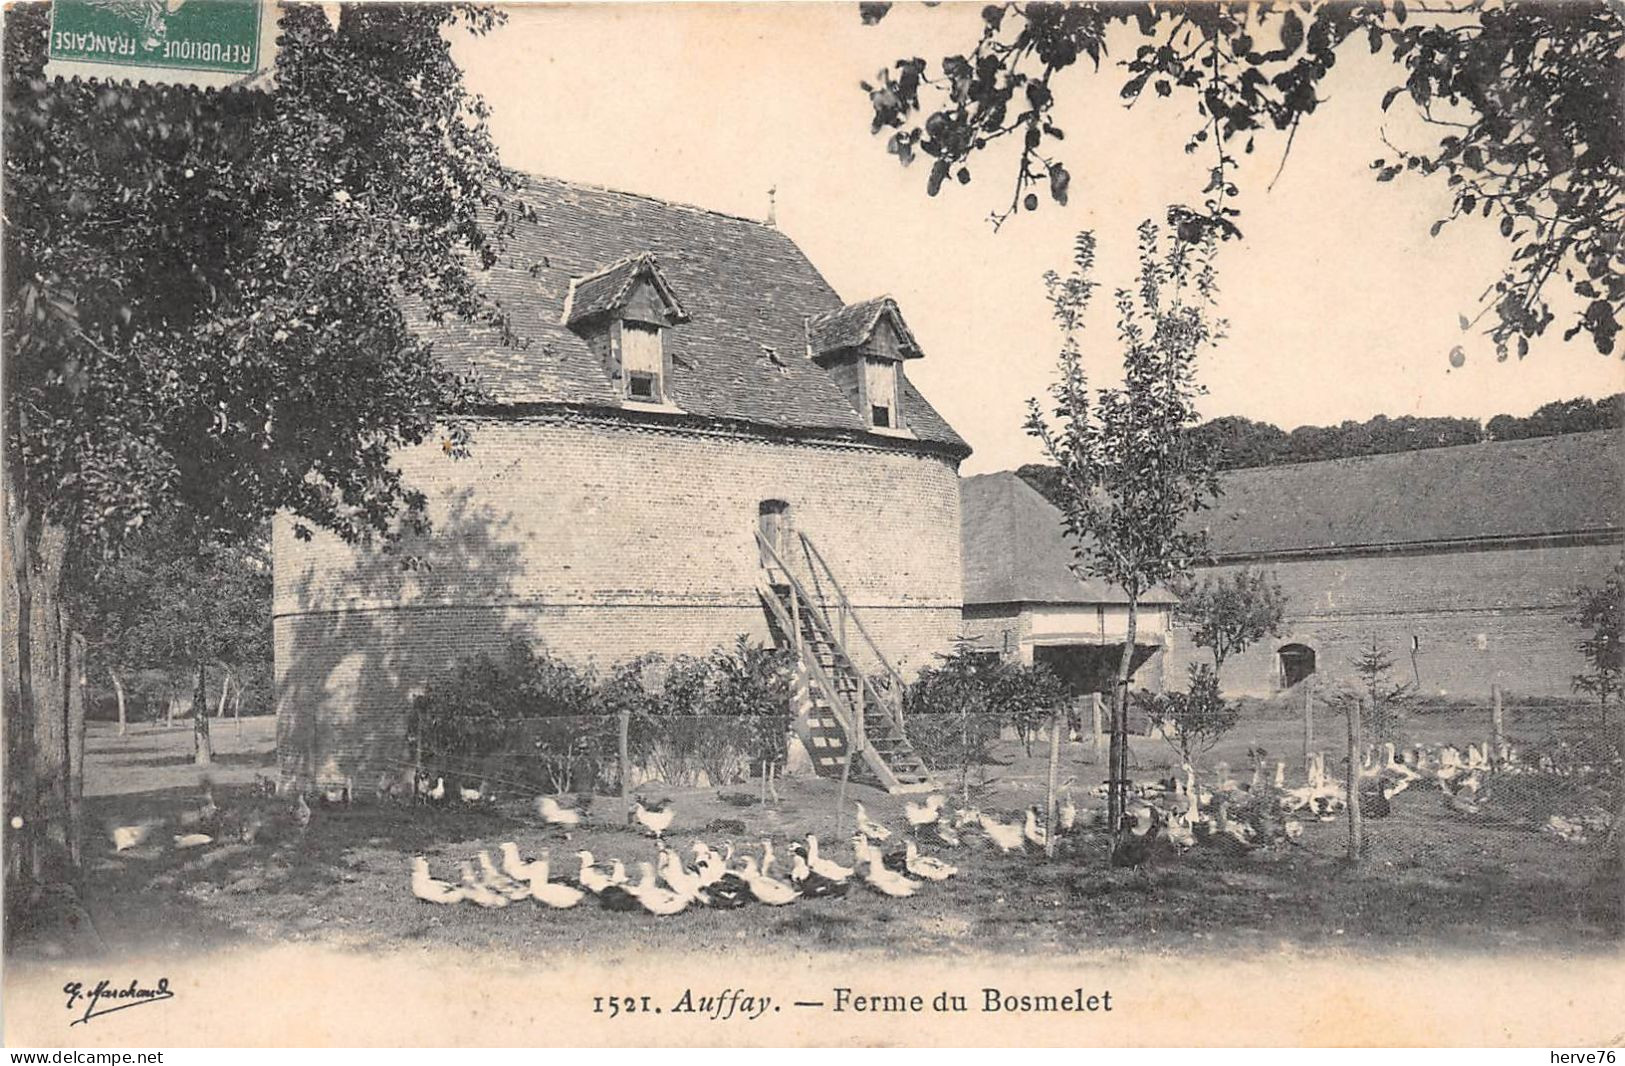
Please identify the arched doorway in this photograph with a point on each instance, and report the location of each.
(1297, 663)
(773, 520)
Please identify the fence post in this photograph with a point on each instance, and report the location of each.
(1094, 727)
(625, 726)
(1057, 717)
(1356, 823)
(1495, 727)
(1308, 718)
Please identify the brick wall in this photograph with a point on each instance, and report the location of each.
(1482, 617)
(600, 541)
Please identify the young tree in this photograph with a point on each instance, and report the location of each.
(1383, 699)
(210, 311)
(1229, 615)
(1131, 474)
(1194, 720)
(1525, 96)
(1602, 614)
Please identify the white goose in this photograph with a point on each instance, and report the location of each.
(767, 890)
(430, 890)
(925, 866)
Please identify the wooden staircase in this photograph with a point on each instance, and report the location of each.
(842, 713)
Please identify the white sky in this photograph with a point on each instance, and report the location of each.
(1340, 305)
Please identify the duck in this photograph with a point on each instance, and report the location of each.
(554, 814)
(919, 814)
(725, 890)
(822, 866)
(888, 882)
(428, 889)
(925, 866)
(471, 795)
(501, 882)
(656, 819)
(1035, 835)
(554, 894)
(654, 899)
(126, 837)
(192, 840)
(517, 868)
(767, 890)
(437, 794)
(1004, 837)
(869, 827)
(768, 858)
(478, 892)
(708, 865)
(809, 884)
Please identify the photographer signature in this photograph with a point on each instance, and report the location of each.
(124, 996)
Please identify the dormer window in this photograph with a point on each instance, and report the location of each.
(623, 313)
(863, 346)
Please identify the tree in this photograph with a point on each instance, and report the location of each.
(1525, 95)
(1194, 720)
(1229, 615)
(1384, 699)
(1131, 474)
(211, 312)
(1602, 614)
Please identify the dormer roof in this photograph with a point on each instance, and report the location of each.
(855, 326)
(608, 292)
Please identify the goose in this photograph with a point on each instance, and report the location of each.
(478, 892)
(517, 868)
(888, 882)
(825, 867)
(772, 892)
(500, 881)
(1004, 837)
(1396, 776)
(430, 890)
(651, 897)
(553, 894)
(1037, 836)
(869, 827)
(925, 866)
(926, 813)
(679, 878)
(809, 884)
(553, 814)
(656, 820)
(192, 840)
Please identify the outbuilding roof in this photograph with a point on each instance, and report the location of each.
(1564, 486)
(852, 325)
(747, 289)
(1015, 549)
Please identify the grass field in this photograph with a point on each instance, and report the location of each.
(1432, 879)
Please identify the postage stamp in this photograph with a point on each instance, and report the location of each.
(204, 43)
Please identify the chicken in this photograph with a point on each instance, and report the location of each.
(655, 820)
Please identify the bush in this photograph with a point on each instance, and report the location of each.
(1192, 721)
(533, 721)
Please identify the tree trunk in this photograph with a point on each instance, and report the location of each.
(202, 750)
(225, 688)
(1117, 790)
(1057, 720)
(1356, 822)
(20, 851)
(118, 692)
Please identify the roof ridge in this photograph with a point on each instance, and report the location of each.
(662, 201)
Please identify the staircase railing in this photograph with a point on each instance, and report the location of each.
(816, 565)
(801, 602)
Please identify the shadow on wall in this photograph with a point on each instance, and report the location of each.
(368, 635)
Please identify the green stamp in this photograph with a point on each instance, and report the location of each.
(199, 35)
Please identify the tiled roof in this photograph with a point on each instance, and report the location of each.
(747, 288)
(1016, 551)
(608, 289)
(851, 326)
(1547, 486)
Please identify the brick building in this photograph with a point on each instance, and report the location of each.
(1461, 562)
(684, 379)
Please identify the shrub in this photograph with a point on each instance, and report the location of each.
(1192, 721)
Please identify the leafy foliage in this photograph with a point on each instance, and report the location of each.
(1228, 615)
(1192, 721)
(209, 308)
(1526, 96)
(1602, 615)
